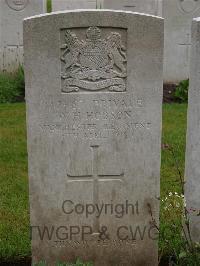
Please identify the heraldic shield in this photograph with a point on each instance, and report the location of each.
(93, 64)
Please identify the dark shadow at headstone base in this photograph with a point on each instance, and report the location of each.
(17, 262)
(27, 262)
(168, 92)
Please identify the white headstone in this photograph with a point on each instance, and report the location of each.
(75, 4)
(94, 108)
(12, 13)
(178, 16)
(192, 173)
(153, 7)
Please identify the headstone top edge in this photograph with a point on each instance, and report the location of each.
(91, 11)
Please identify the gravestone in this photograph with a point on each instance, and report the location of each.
(75, 4)
(153, 7)
(94, 101)
(192, 186)
(12, 13)
(178, 16)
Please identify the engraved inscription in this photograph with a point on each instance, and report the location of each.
(112, 243)
(17, 4)
(94, 64)
(188, 6)
(186, 45)
(12, 57)
(104, 117)
(130, 4)
(95, 177)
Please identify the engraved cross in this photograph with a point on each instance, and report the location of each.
(95, 178)
(187, 43)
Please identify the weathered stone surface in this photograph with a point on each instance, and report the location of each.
(75, 4)
(178, 16)
(192, 171)
(153, 7)
(12, 13)
(94, 97)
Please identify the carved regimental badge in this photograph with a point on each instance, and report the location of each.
(189, 6)
(93, 64)
(17, 5)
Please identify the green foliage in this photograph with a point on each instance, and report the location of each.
(175, 244)
(181, 92)
(49, 6)
(175, 235)
(14, 215)
(12, 86)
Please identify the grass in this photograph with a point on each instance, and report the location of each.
(174, 130)
(174, 138)
(49, 6)
(14, 219)
(14, 215)
(12, 87)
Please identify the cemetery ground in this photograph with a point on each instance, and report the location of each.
(14, 214)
